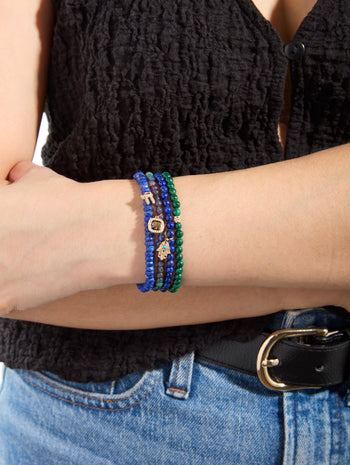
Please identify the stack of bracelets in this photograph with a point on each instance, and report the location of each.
(163, 234)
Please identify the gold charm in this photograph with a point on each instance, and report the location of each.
(147, 197)
(156, 225)
(163, 250)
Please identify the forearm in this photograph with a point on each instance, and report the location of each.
(285, 224)
(124, 307)
(281, 225)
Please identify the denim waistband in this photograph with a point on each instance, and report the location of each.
(330, 317)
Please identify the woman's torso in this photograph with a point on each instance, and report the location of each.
(286, 17)
(191, 87)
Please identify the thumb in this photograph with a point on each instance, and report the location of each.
(21, 169)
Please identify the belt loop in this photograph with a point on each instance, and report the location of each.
(347, 398)
(179, 383)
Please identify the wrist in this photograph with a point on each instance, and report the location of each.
(115, 241)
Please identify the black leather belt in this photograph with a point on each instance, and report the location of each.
(288, 358)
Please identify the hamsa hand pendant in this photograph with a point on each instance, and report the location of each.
(163, 250)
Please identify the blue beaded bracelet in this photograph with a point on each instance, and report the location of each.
(168, 242)
(148, 200)
(159, 266)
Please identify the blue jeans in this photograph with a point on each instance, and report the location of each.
(186, 412)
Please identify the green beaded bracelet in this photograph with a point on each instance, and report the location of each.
(178, 233)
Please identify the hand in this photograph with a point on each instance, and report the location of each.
(39, 255)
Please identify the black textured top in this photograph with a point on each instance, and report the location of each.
(187, 86)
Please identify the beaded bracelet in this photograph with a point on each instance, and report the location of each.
(178, 272)
(159, 210)
(148, 200)
(169, 243)
(166, 205)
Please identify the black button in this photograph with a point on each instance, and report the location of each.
(294, 50)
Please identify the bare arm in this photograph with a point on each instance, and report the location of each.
(124, 307)
(280, 225)
(25, 38)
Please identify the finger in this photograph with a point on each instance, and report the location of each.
(20, 169)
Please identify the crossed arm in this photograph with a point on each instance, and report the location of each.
(255, 241)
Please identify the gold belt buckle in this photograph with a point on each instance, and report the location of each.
(264, 362)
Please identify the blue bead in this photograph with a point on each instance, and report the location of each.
(172, 248)
(167, 210)
(171, 256)
(170, 225)
(164, 195)
(170, 234)
(169, 217)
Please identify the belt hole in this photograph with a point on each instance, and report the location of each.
(320, 368)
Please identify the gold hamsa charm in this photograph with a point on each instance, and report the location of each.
(163, 250)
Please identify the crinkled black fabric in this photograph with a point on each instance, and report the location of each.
(187, 86)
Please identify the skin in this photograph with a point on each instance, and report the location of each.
(284, 226)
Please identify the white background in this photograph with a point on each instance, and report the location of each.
(37, 159)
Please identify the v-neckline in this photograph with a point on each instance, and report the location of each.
(264, 23)
(318, 5)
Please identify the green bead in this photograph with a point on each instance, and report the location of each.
(176, 203)
(174, 197)
(178, 225)
(166, 174)
(178, 249)
(179, 241)
(179, 233)
(180, 264)
(171, 190)
(176, 212)
(179, 256)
